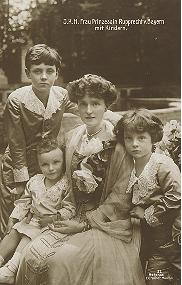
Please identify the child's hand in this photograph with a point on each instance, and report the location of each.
(137, 212)
(28, 219)
(10, 224)
(67, 227)
(44, 221)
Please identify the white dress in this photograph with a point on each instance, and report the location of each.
(41, 201)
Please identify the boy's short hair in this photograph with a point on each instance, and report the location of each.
(47, 144)
(93, 86)
(139, 120)
(42, 53)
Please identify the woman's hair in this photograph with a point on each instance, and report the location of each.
(139, 120)
(42, 53)
(93, 86)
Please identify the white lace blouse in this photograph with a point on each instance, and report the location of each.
(157, 189)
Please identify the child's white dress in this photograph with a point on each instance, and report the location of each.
(41, 202)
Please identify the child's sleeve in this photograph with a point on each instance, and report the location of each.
(16, 139)
(68, 205)
(22, 205)
(176, 228)
(169, 179)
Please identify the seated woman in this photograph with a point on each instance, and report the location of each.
(100, 245)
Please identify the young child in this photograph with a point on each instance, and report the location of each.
(31, 112)
(47, 198)
(155, 188)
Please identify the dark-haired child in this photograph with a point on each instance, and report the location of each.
(31, 113)
(155, 188)
(47, 198)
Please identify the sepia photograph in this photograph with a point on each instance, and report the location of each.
(90, 142)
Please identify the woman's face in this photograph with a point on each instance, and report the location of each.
(91, 110)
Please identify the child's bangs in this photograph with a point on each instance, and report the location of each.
(137, 124)
(46, 59)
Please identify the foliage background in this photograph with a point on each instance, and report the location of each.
(144, 55)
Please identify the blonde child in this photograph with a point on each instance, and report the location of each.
(47, 198)
(155, 188)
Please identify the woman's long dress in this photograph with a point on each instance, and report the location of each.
(108, 253)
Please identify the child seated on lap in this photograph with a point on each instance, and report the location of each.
(46, 199)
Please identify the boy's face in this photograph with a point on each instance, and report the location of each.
(51, 164)
(138, 145)
(42, 76)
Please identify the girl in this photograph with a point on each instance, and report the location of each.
(47, 198)
(155, 187)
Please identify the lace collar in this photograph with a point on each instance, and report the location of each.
(53, 193)
(147, 180)
(33, 104)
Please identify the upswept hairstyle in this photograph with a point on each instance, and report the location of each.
(93, 86)
(139, 120)
(42, 53)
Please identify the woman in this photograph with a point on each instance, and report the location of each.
(100, 246)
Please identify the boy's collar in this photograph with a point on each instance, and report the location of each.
(33, 104)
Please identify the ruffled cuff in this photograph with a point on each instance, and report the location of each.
(150, 218)
(21, 175)
(19, 213)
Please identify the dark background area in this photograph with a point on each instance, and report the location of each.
(144, 55)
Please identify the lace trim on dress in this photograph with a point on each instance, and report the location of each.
(21, 175)
(54, 103)
(147, 179)
(132, 181)
(54, 193)
(56, 190)
(33, 104)
(150, 218)
(89, 147)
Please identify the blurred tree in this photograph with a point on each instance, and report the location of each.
(14, 19)
(144, 54)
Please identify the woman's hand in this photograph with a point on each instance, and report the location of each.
(67, 227)
(137, 212)
(44, 221)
